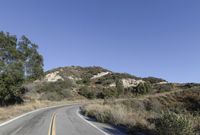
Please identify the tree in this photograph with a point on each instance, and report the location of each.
(10, 84)
(18, 60)
(33, 61)
(8, 52)
(35, 65)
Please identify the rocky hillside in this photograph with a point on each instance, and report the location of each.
(90, 82)
(155, 98)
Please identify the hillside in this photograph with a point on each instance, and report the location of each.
(147, 106)
(91, 82)
(169, 113)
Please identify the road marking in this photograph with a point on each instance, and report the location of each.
(16, 131)
(90, 123)
(31, 112)
(52, 126)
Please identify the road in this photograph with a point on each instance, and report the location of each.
(63, 120)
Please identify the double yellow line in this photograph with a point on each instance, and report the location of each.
(52, 127)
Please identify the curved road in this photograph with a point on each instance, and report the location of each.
(63, 120)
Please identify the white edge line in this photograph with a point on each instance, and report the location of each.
(37, 110)
(90, 123)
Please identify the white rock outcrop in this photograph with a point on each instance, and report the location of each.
(100, 75)
(53, 77)
(131, 82)
(112, 85)
(164, 82)
(74, 78)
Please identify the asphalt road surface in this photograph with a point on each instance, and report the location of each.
(65, 120)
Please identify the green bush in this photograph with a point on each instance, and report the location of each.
(87, 92)
(56, 86)
(61, 89)
(164, 87)
(171, 123)
(142, 88)
(153, 80)
(109, 92)
(52, 96)
(11, 88)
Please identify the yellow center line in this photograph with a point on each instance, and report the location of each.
(52, 127)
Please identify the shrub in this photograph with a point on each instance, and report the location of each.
(61, 89)
(11, 88)
(116, 114)
(97, 111)
(52, 96)
(164, 87)
(67, 93)
(120, 87)
(142, 88)
(110, 92)
(171, 123)
(55, 86)
(153, 80)
(87, 92)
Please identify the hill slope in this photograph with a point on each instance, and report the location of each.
(89, 82)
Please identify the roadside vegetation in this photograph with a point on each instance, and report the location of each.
(174, 114)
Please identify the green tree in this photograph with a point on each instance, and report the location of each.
(8, 52)
(33, 61)
(10, 84)
(35, 65)
(17, 60)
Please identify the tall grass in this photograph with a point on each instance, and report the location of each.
(143, 115)
(118, 114)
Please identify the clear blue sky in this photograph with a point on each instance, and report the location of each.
(143, 37)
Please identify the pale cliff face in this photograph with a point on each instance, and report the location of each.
(100, 75)
(53, 77)
(131, 82)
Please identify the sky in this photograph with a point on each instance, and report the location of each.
(158, 38)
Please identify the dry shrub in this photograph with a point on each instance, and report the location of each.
(140, 115)
(196, 123)
(100, 112)
(174, 124)
(117, 114)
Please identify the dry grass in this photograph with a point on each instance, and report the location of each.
(140, 114)
(119, 114)
(10, 112)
